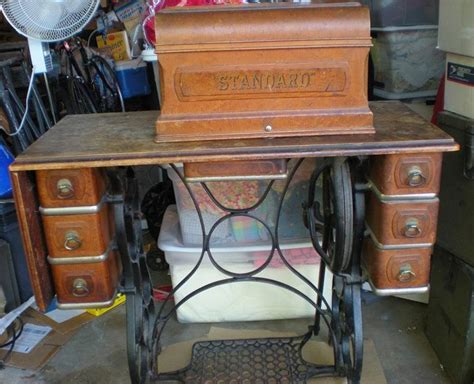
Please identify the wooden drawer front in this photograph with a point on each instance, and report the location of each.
(406, 174)
(78, 235)
(403, 222)
(87, 283)
(236, 170)
(397, 268)
(70, 188)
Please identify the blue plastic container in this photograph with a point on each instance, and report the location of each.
(133, 78)
(6, 158)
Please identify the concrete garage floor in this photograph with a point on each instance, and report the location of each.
(96, 354)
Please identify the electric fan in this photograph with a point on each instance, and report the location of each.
(44, 21)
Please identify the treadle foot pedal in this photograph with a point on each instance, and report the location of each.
(256, 361)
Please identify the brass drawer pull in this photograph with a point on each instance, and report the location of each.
(412, 229)
(406, 274)
(65, 189)
(416, 177)
(72, 241)
(79, 288)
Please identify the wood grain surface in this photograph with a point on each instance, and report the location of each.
(388, 219)
(88, 187)
(33, 239)
(236, 169)
(120, 139)
(92, 230)
(241, 77)
(384, 266)
(390, 173)
(102, 280)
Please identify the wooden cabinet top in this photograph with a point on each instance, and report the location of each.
(120, 139)
(263, 71)
(236, 27)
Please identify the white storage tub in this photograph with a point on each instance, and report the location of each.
(241, 301)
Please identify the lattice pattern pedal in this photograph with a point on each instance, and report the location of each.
(252, 361)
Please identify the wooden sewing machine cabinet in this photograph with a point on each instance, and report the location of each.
(61, 179)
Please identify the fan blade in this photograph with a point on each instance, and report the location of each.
(76, 5)
(49, 20)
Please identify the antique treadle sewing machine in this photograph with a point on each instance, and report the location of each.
(247, 94)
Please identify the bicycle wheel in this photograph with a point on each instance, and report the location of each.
(107, 85)
(82, 100)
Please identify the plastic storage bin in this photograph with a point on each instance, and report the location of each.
(241, 301)
(241, 194)
(402, 13)
(10, 232)
(132, 77)
(6, 158)
(407, 63)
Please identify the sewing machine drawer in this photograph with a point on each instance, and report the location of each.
(236, 170)
(86, 283)
(396, 268)
(406, 174)
(78, 235)
(70, 188)
(403, 222)
(242, 77)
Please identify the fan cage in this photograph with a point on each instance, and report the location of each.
(49, 20)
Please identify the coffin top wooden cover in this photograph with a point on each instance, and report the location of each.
(325, 23)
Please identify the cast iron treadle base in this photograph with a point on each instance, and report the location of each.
(255, 361)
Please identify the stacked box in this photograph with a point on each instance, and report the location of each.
(456, 37)
(456, 215)
(450, 326)
(459, 87)
(450, 320)
(456, 27)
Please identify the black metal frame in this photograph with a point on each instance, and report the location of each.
(145, 325)
(136, 281)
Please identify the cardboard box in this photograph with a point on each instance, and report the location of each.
(117, 44)
(58, 336)
(130, 10)
(459, 88)
(456, 27)
(100, 311)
